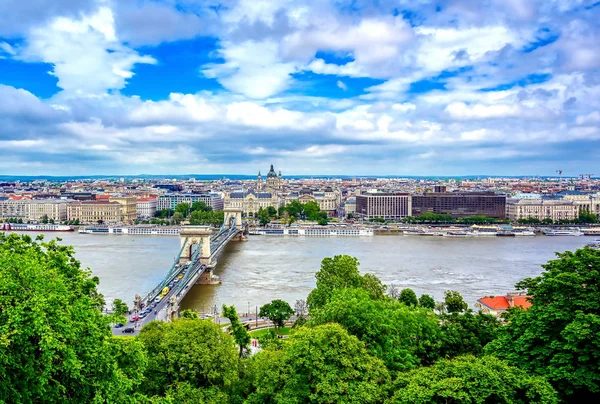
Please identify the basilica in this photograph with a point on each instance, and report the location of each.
(273, 183)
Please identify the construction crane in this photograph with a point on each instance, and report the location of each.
(559, 175)
(584, 176)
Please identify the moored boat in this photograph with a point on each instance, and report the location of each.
(34, 227)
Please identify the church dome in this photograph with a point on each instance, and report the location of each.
(271, 173)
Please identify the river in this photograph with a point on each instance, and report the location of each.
(266, 268)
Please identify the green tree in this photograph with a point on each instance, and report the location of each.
(318, 365)
(322, 222)
(183, 208)
(51, 221)
(373, 286)
(188, 350)
(409, 297)
(178, 217)
(427, 302)
(557, 337)
(119, 307)
(340, 271)
(294, 209)
(239, 332)
(201, 206)
(471, 380)
(311, 210)
(190, 314)
(466, 333)
(55, 344)
(402, 337)
(272, 211)
(586, 217)
(45, 219)
(454, 302)
(277, 311)
(263, 216)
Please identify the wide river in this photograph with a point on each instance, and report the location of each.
(266, 268)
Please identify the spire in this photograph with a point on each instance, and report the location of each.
(280, 173)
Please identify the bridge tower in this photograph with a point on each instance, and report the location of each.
(191, 235)
(232, 213)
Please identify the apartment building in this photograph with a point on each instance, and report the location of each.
(460, 204)
(101, 211)
(128, 207)
(555, 209)
(146, 207)
(169, 201)
(384, 205)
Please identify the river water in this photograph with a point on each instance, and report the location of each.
(266, 268)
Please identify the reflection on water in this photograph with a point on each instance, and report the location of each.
(267, 268)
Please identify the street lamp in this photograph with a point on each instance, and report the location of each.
(248, 312)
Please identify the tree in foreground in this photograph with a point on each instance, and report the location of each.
(557, 337)
(427, 302)
(239, 332)
(277, 311)
(190, 351)
(454, 302)
(466, 333)
(471, 380)
(323, 364)
(402, 337)
(55, 344)
(408, 297)
(119, 307)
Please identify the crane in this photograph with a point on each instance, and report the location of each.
(559, 175)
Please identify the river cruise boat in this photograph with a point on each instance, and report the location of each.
(314, 231)
(132, 230)
(592, 231)
(34, 227)
(572, 231)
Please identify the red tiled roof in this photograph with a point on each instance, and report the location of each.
(522, 301)
(495, 303)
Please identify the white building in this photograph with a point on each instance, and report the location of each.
(146, 207)
(251, 201)
(329, 200)
(34, 210)
(169, 201)
(555, 209)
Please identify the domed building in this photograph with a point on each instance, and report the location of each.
(273, 183)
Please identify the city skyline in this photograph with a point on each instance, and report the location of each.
(323, 88)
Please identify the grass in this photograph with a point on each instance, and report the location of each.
(263, 331)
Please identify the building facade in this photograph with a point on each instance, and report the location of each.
(92, 212)
(460, 204)
(383, 205)
(555, 209)
(10, 208)
(169, 201)
(251, 201)
(146, 207)
(53, 209)
(329, 200)
(273, 184)
(128, 207)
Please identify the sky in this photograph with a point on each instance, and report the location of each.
(388, 87)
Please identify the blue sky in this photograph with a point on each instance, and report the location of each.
(449, 87)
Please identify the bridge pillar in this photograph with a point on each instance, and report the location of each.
(235, 213)
(191, 235)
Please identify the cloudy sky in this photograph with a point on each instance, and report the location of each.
(413, 87)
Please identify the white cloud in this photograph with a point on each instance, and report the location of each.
(341, 85)
(6, 48)
(86, 55)
(591, 118)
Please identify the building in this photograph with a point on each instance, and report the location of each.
(460, 204)
(329, 200)
(128, 207)
(555, 209)
(146, 207)
(383, 205)
(101, 211)
(10, 208)
(350, 206)
(496, 305)
(53, 209)
(251, 201)
(273, 184)
(169, 201)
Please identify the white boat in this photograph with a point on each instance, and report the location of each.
(563, 232)
(317, 231)
(34, 227)
(132, 230)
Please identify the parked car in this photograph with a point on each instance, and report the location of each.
(118, 325)
(129, 330)
(134, 319)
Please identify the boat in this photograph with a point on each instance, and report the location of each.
(506, 233)
(573, 231)
(132, 230)
(316, 231)
(34, 227)
(595, 244)
(594, 231)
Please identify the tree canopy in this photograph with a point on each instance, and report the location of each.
(557, 337)
(323, 364)
(277, 311)
(55, 344)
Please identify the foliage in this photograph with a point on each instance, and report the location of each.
(186, 350)
(55, 344)
(322, 222)
(186, 393)
(277, 311)
(211, 218)
(557, 337)
(300, 321)
(164, 213)
(183, 209)
(393, 292)
(408, 297)
(188, 313)
(427, 302)
(200, 206)
(454, 302)
(240, 333)
(119, 307)
(467, 333)
(318, 365)
(263, 216)
(471, 380)
(308, 211)
(402, 337)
